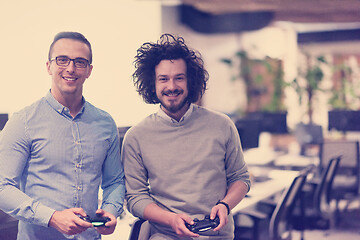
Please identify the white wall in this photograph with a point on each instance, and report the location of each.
(115, 29)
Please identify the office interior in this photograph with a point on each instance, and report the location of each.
(294, 37)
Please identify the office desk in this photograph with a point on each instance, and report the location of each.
(295, 161)
(260, 156)
(263, 157)
(279, 180)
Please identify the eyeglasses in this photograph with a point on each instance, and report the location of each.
(64, 61)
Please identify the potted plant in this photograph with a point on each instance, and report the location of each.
(264, 82)
(307, 85)
(344, 114)
(263, 79)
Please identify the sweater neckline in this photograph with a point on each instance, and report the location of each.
(172, 121)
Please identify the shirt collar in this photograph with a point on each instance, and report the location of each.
(59, 107)
(163, 115)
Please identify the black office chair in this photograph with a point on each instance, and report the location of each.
(140, 230)
(308, 136)
(8, 227)
(346, 185)
(4, 117)
(314, 211)
(278, 227)
(122, 131)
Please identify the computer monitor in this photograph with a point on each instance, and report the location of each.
(272, 122)
(4, 117)
(249, 132)
(344, 120)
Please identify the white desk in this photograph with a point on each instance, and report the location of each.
(260, 156)
(280, 179)
(295, 160)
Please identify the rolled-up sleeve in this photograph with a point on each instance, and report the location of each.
(235, 165)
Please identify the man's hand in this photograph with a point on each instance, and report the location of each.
(178, 225)
(109, 226)
(68, 222)
(221, 211)
(154, 213)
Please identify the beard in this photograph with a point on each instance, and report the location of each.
(172, 107)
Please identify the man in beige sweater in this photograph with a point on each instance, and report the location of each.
(184, 161)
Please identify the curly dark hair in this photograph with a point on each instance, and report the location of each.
(168, 47)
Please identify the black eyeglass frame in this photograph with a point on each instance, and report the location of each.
(70, 59)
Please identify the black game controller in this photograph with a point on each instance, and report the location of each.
(203, 225)
(98, 221)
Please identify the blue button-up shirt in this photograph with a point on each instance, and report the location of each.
(58, 162)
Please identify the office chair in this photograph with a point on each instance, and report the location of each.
(346, 185)
(122, 131)
(8, 227)
(4, 117)
(140, 230)
(314, 211)
(278, 227)
(308, 136)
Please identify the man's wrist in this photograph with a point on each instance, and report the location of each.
(225, 204)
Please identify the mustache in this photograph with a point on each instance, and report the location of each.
(176, 91)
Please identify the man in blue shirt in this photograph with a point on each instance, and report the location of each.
(55, 153)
